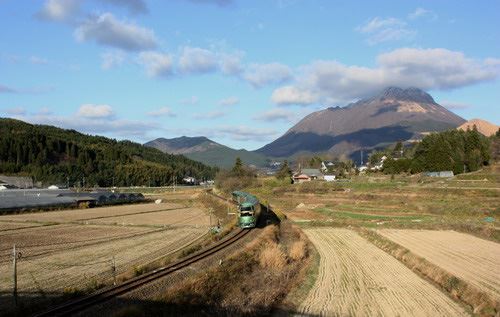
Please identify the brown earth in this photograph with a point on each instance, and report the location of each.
(82, 215)
(73, 250)
(357, 278)
(472, 259)
(483, 126)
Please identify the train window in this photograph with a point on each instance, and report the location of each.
(246, 208)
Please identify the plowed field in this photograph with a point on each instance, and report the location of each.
(358, 279)
(65, 251)
(472, 259)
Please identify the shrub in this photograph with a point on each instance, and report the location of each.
(190, 250)
(298, 250)
(272, 257)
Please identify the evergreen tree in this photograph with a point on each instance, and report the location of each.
(238, 167)
(284, 172)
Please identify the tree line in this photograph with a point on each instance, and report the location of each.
(454, 150)
(54, 155)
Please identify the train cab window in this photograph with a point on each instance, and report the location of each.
(246, 211)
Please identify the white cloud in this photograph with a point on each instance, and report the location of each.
(333, 82)
(156, 64)
(376, 24)
(4, 89)
(230, 64)
(229, 101)
(193, 100)
(277, 114)
(111, 59)
(452, 105)
(259, 75)
(105, 29)
(381, 30)
(134, 6)
(210, 115)
(15, 111)
(162, 112)
(221, 3)
(95, 111)
(59, 10)
(44, 111)
(290, 95)
(244, 133)
(421, 13)
(117, 127)
(197, 60)
(38, 60)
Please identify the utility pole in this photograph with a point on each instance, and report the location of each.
(210, 214)
(361, 157)
(15, 255)
(113, 269)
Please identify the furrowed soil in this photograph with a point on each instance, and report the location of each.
(472, 259)
(72, 251)
(358, 279)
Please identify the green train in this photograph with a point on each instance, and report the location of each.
(248, 209)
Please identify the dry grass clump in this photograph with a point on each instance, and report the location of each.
(250, 283)
(272, 257)
(481, 303)
(298, 250)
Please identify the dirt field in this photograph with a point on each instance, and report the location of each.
(85, 215)
(474, 260)
(358, 279)
(63, 251)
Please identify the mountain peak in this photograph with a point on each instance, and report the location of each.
(408, 94)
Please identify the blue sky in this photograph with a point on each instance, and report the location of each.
(239, 72)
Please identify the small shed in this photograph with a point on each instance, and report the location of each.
(301, 178)
(329, 178)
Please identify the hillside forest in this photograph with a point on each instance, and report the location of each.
(59, 156)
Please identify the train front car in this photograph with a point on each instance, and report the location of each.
(246, 217)
(248, 209)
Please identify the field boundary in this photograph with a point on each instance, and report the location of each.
(481, 302)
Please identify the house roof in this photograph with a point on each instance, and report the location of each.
(301, 176)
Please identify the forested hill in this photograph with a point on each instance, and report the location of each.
(54, 155)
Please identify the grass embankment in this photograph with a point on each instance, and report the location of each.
(481, 303)
(251, 282)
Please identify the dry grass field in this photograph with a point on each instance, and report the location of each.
(72, 250)
(466, 205)
(474, 260)
(358, 279)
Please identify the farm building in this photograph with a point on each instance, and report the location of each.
(329, 178)
(439, 174)
(16, 181)
(301, 178)
(19, 199)
(313, 173)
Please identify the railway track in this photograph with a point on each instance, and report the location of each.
(78, 305)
